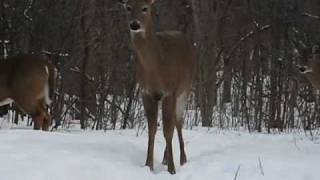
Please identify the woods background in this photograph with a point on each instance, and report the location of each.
(246, 66)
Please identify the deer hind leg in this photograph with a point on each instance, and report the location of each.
(151, 110)
(183, 157)
(168, 110)
(164, 161)
(180, 107)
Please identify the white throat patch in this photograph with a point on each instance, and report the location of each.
(140, 31)
(308, 70)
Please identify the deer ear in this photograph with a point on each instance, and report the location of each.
(152, 1)
(316, 49)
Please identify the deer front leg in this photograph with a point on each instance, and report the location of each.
(168, 127)
(151, 110)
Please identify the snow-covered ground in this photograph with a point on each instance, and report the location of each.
(120, 155)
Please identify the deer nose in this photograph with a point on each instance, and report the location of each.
(135, 25)
(302, 69)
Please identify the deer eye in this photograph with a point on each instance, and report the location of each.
(129, 8)
(145, 9)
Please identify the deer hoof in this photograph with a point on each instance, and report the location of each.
(150, 166)
(172, 171)
(183, 161)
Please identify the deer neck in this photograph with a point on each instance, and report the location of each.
(147, 47)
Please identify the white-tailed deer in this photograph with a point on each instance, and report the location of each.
(165, 69)
(310, 66)
(29, 81)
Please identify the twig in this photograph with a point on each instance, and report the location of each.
(260, 166)
(237, 45)
(237, 173)
(311, 16)
(295, 144)
(244, 38)
(25, 12)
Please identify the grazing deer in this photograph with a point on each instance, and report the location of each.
(165, 69)
(311, 65)
(29, 81)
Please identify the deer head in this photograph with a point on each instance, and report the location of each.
(310, 59)
(138, 14)
(310, 65)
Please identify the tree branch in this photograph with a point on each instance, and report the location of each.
(310, 16)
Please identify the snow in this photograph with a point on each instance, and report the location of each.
(120, 155)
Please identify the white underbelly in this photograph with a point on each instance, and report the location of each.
(6, 102)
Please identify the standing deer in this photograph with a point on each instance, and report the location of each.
(311, 65)
(164, 69)
(29, 81)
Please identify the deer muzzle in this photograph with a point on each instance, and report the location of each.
(135, 26)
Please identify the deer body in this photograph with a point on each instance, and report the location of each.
(28, 80)
(165, 69)
(160, 66)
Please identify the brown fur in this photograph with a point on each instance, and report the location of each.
(165, 70)
(23, 79)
